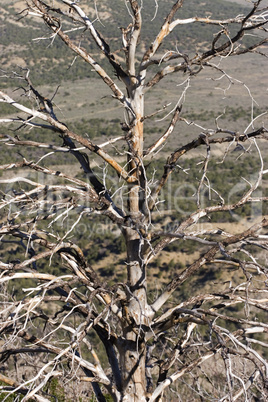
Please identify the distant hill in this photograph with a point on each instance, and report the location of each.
(51, 62)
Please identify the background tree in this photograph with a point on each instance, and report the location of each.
(106, 327)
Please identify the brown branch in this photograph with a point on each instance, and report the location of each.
(229, 43)
(67, 133)
(104, 155)
(251, 48)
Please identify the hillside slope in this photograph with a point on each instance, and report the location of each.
(20, 42)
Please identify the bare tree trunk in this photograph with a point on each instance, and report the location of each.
(133, 358)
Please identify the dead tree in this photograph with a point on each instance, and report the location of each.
(153, 343)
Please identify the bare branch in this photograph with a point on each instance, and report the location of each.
(165, 30)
